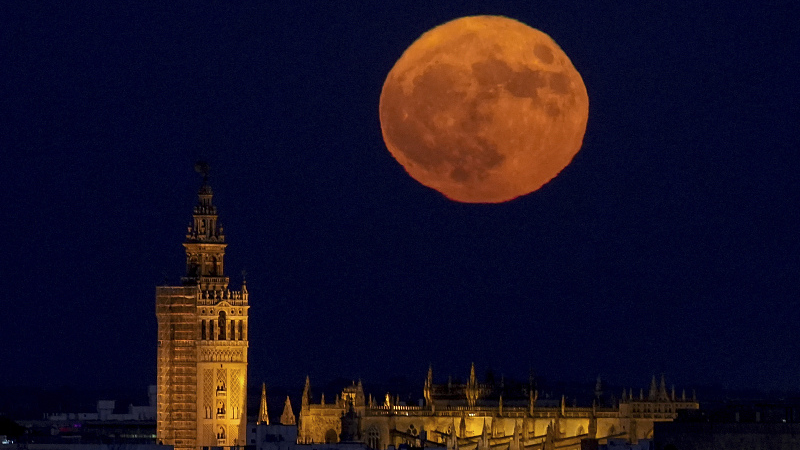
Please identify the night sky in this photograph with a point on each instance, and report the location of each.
(669, 244)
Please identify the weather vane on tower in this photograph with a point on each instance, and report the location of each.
(202, 168)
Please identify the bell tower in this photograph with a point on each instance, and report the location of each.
(202, 342)
(205, 243)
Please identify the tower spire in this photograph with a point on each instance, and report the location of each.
(205, 241)
(263, 417)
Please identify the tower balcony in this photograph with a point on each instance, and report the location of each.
(206, 282)
(210, 297)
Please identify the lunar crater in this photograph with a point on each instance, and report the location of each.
(543, 53)
(520, 83)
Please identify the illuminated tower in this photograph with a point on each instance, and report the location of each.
(202, 343)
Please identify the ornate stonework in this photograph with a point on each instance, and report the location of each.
(202, 344)
(475, 416)
(222, 355)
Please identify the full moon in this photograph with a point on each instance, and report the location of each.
(484, 109)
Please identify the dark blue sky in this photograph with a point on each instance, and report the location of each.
(669, 245)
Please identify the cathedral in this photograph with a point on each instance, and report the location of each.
(202, 343)
(202, 383)
(480, 416)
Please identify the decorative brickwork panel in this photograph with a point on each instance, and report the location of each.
(208, 393)
(236, 388)
(222, 355)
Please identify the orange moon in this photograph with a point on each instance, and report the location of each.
(484, 109)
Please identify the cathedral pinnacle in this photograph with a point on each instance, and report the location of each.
(287, 418)
(472, 389)
(653, 389)
(263, 417)
(306, 394)
(516, 440)
(532, 397)
(452, 438)
(598, 388)
(483, 444)
(427, 390)
(496, 426)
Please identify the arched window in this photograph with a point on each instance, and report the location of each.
(241, 329)
(221, 433)
(193, 268)
(211, 329)
(221, 325)
(233, 330)
(331, 437)
(220, 408)
(373, 438)
(203, 329)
